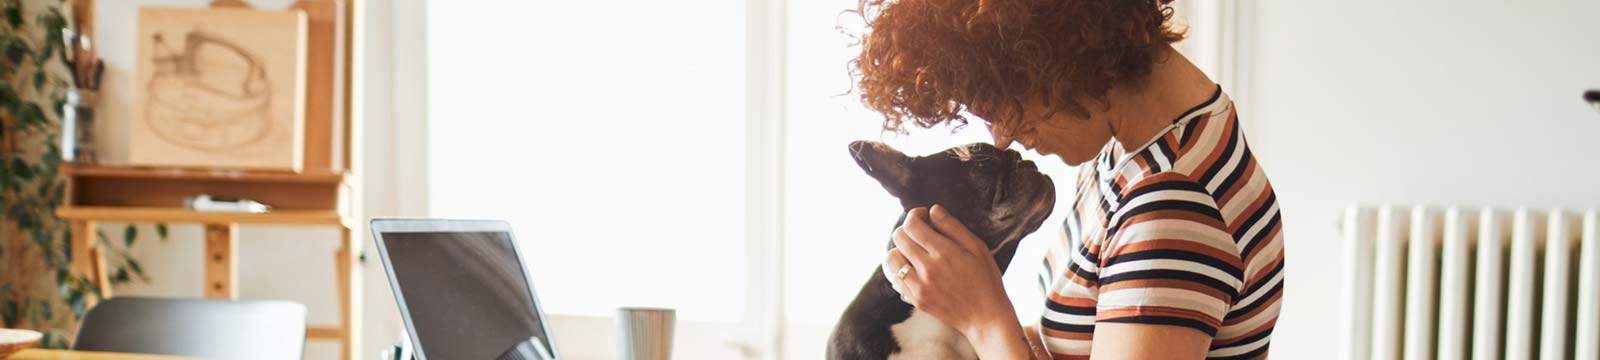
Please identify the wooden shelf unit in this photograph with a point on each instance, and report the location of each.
(324, 193)
(132, 194)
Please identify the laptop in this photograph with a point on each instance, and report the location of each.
(463, 290)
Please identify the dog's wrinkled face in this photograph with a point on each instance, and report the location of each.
(995, 193)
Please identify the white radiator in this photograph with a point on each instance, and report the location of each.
(1458, 283)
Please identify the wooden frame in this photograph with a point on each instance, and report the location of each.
(323, 193)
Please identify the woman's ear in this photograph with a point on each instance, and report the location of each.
(891, 167)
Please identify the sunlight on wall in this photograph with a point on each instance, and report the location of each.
(610, 134)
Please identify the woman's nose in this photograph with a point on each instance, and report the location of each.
(1001, 141)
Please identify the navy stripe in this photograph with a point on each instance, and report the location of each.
(1265, 279)
(1165, 320)
(1261, 301)
(1150, 162)
(1215, 94)
(1245, 340)
(1174, 254)
(1227, 153)
(1116, 189)
(1083, 274)
(1105, 210)
(1188, 133)
(1070, 310)
(1238, 173)
(1261, 236)
(1171, 275)
(1176, 205)
(1257, 353)
(1089, 256)
(1057, 326)
(1166, 151)
(1250, 222)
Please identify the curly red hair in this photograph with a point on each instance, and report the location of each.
(931, 61)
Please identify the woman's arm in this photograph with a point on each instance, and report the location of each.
(1144, 341)
(954, 278)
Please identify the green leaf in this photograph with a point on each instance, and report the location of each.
(137, 270)
(101, 234)
(129, 234)
(46, 310)
(17, 51)
(55, 340)
(8, 95)
(25, 309)
(38, 81)
(14, 15)
(76, 302)
(11, 313)
(42, 238)
(33, 114)
(20, 170)
(161, 231)
(121, 277)
(51, 43)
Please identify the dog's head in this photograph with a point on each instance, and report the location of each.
(995, 193)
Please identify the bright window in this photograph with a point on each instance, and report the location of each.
(610, 134)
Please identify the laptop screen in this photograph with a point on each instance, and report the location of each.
(465, 293)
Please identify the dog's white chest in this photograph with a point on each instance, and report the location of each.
(923, 337)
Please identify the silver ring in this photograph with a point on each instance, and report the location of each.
(904, 269)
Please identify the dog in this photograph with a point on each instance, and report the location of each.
(995, 193)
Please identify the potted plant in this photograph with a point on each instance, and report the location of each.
(37, 287)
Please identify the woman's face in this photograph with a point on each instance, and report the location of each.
(1074, 139)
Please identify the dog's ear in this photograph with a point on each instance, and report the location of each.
(891, 167)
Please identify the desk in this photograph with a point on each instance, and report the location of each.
(45, 354)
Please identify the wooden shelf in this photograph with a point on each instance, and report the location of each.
(142, 194)
(181, 215)
(323, 332)
(228, 175)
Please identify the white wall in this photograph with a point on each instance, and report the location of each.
(292, 263)
(1411, 102)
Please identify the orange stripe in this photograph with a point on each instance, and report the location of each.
(1128, 312)
(1179, 244)
(1238, 185)
(1072, 301)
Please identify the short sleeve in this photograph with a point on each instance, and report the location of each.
(1168, 258)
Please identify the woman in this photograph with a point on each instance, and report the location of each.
(1173, 246)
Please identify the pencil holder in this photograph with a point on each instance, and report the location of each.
(77, 127)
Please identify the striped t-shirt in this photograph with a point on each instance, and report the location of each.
(1187, 233)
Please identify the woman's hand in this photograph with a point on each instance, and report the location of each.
(953, 277)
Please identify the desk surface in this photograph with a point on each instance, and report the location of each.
(45, 354)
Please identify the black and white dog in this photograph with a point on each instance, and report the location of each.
(995, 193)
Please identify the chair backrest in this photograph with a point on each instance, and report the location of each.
(214, 329)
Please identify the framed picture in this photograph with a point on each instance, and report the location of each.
(219, 88)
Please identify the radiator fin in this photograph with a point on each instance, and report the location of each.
(1457, 283)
